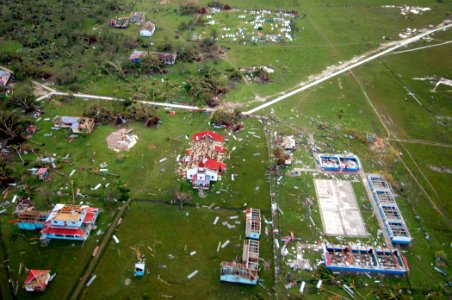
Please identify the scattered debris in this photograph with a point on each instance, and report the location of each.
(116, 239)
(91, 280)
(192, 274)
(121, 140)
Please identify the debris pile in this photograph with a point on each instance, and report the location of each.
(121, 140)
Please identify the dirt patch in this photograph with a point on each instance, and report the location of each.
(38, 91)
(152, 147)
(121, 140)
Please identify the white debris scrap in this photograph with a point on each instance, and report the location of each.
(192, 274)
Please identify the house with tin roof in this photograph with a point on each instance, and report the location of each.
(37, 280)
(70, 222)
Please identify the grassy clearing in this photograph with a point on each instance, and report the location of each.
(170, 231)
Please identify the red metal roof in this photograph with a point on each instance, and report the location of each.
(36, 277)
(220, 149)
(90, 215)
(42, 171)
(63, 231)
(200, 135)
(215, 165)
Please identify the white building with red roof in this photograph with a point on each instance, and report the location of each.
(37, 280)
(204, 160)
(70, 222)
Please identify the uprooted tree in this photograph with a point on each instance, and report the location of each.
(12, 125)
(207, 88)
(227, 118)
(279, 154)
(23, 97)
(141, 112)
(181, 198)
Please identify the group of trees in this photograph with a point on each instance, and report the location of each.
(129, 110)
(52, 34)
(226, 118)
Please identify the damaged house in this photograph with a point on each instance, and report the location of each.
(164, 57)
(37, 280)
(6, 85)
(148, 29)
(76, 124)
(204, 160)
(70, 222)
(120, 23)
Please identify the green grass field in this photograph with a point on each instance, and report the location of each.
(337, 115)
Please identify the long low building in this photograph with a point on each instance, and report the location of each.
(245, 272)
(384, 199)
(338, 162)
(365, 260)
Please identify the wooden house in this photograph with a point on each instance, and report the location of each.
(76, 124)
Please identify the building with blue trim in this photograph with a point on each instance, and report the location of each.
(384, 199)
(366, 260)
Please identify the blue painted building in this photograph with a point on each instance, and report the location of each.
(338, 162)
(253, 223)
(139, 269)
(384, 199)
(364, 260)
(247, 271)
(70, 222)
(32, 220)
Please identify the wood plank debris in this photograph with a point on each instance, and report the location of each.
(192, 274)
(224, 244)
(91, 280)
(302, 286)
(116, 239)
(218, 248)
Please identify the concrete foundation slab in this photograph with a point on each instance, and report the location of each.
(339, 209)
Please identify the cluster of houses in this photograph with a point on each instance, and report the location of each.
(204, 160)
(147, 29)
(247, 271)
(138, 18)
(65, 222)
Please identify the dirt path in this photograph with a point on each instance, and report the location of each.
(92, 264)
(421, 48)
(421, 142)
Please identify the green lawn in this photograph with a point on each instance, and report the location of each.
(172, 234)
